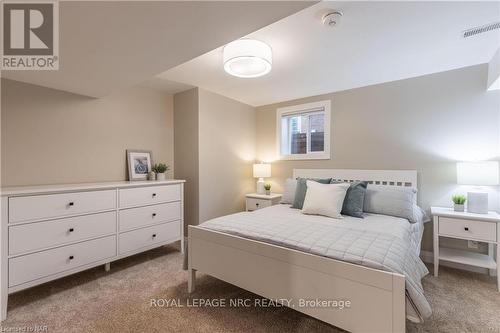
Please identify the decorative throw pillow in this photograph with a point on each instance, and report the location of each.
(354, 199)
(300, 191)
(324, 199)
(289, 191)
(395, 201)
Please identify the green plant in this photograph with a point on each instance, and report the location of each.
(267, 187)
(458, 199)
(160, 168)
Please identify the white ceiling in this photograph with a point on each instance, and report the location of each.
(376, 42)
(107, 46)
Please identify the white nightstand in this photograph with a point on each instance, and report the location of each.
(462, 225)
(257, 201)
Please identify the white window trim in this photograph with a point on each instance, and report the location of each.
(280, 112)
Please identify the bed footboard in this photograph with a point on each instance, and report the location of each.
(377, 298)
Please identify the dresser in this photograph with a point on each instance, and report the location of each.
(48, 232)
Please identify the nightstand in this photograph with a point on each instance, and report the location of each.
(257, 201)
(462, 225)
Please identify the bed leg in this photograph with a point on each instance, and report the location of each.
(398, 304)
(191, 280)
(107, 267)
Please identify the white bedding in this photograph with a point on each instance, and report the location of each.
(376, 241)
(372, 222)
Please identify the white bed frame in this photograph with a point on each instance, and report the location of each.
(274, 272)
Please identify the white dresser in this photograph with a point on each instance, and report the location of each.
(48, 232)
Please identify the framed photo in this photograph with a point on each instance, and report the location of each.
(139, 164)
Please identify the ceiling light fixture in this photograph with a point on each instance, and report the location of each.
(247, 58)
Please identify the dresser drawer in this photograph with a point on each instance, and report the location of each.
(143, 216)
(137, 239)
(149, 195)
(41, 264)
(254, 204)
(59, 205)
(39, 235)
(468, 229)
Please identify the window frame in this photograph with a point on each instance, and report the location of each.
(302, 109)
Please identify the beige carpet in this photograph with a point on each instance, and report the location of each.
(119, 301)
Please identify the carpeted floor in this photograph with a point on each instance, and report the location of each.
(120, 301)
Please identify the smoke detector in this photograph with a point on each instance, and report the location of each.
(332, 19)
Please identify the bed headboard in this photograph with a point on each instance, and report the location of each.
(377, 177)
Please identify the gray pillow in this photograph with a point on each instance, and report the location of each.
(289, 191)
(301, 190)
(392, 200)
(354, 198)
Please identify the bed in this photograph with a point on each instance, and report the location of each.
(262, 252)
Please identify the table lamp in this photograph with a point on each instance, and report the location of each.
(261, 171)
(477, 174)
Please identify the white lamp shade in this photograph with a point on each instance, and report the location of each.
(261, 170)
(247, 58)
(478, 173)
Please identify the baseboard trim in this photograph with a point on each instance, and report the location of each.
(428, 257)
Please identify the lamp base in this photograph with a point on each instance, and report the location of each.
(477, 202)
(260, 186)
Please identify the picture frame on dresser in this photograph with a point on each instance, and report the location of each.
(139, 164)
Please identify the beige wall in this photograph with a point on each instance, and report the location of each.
(186, 150)
(50, 136)
(214, 151)
(426, 123)
(227, 152)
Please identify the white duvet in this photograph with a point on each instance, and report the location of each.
(376, 241)
(396, 226)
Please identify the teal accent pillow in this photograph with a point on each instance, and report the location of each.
(354, 199)
(301, 190)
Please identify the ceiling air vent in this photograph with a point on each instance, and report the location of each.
(480, 30)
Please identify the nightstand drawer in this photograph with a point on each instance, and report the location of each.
(254, 204)
(468, 229)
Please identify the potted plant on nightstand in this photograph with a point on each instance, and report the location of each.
(267, 187)
(160, 169)
(459, 201)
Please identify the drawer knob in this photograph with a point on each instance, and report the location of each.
(154, 235)
(466, 228)
(154, 195)
(71, 203)
(257, 204)
(71, 257)
(71, 230)
(154, 214)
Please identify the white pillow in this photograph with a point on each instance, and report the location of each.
(324, 199)
(289, 191)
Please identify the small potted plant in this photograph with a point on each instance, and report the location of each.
(160, 169)
(459, 201)
(267, 187)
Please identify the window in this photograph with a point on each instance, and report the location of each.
(303, 131)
